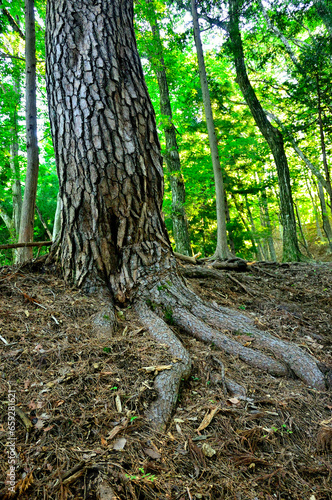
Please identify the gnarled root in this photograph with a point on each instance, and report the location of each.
(167, 382)
(205, 322)
(208, 323)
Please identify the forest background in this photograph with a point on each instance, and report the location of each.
(287, 47)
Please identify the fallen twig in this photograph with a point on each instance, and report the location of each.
(31, 244)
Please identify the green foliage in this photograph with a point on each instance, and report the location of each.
(294, 93)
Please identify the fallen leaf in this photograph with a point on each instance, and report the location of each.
(119, 444)
(178, 428)
(233, 401)
(152, 453)
(208, 418)
(103, 441)
(46, 429)
(326, 422)
(116, 430)
(208, 451)
(39, 424)
(118, 404)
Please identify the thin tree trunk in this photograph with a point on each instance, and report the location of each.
(230, 232)
(315, 208)
(260, 252)
(30, 191)
(57, 219)
(222, 250)
(172, 157)
(273, 137)
(246, 225)
(326, 221)
(322, 143)
(267, 222)
(305, 244)
(14, 165)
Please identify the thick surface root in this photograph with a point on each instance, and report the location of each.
(207, 323)
(167, 382)
(301, 363)
(200, 330)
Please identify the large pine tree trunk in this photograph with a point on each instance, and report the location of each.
(106, 146)
(172, 157)
(31, 180)
(272, 136)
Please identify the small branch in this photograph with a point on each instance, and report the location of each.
(13, 23)
(3, 340)
(185, 258)
(43, 223)
(31, 244)
(240, 284)
(5, 55)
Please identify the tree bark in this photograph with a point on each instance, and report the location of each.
(273, 137)
(222, 250)
(172, 157)
(106, 147)
(30, 191)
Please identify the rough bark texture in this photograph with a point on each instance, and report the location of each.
(171, 156)
(106, 147)
(222, 250)
(30, 190)
(272, 136)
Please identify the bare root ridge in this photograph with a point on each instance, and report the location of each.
(167, 382)
(194, 326)
(196, 318)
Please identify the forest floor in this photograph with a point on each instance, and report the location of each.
(80, 396)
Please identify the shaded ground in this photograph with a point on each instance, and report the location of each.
(84, 393)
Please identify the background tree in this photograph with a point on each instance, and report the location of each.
(171, 152)
(29, 201)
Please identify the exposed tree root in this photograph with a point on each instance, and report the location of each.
(190, 313)
(167, 382)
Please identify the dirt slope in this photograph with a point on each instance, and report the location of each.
(84, 391)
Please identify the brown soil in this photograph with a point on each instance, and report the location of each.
(70, 378)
